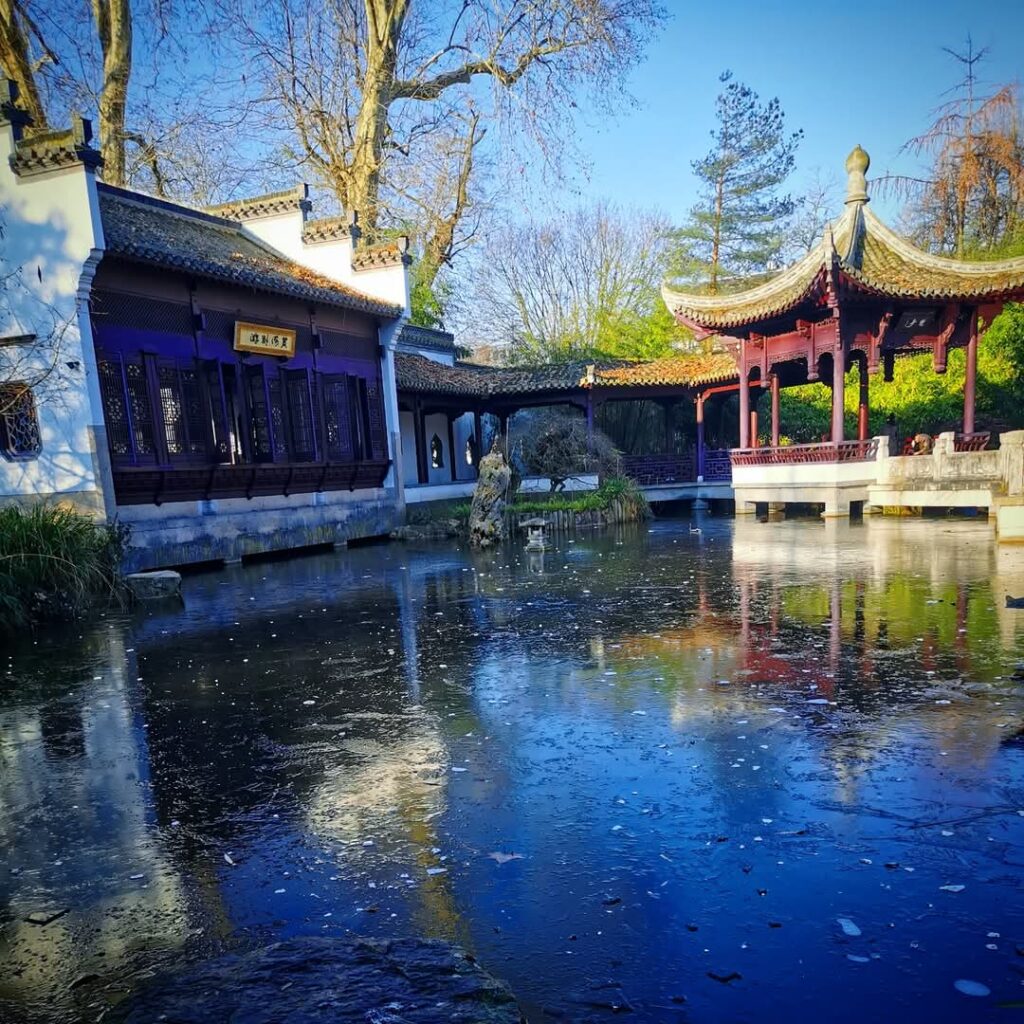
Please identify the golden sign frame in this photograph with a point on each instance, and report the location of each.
(243, 327)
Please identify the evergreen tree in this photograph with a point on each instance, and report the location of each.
(738, 227)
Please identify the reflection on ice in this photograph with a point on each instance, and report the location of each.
(645, 759)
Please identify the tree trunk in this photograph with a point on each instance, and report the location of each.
(384, 20)
(114, 27)
(440, 242)
(716, 244)
(16, 63)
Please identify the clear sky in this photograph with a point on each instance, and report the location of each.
(845, 72)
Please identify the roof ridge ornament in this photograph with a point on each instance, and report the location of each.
(857, 164)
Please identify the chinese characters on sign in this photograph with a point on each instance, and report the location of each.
(275, 341)
(917, 319)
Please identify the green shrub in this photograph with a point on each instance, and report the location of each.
(619, 489)
(54, 564)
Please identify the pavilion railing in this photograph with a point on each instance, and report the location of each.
(976, 442)
(649, 470)
(717, 465)
(801, 454)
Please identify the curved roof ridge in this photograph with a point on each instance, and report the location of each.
(776, 295)
(905, 248)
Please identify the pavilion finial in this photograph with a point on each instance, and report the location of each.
(857, 164)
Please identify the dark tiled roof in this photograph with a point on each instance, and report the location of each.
(681, 371)
(420, 374)
(423, 375)
(426, 337)
(163, 234)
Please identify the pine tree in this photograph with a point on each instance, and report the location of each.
(738, 226)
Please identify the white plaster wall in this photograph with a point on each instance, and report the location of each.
(408, 439)
(332, 259)
(51, 231)
(282, 232)
(438, 424)
(825, 474)
(463, 428)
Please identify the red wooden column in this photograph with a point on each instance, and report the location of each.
(838, 393)
(753, 428)
(971, 377)
(775, 410)
(700, 437)
(862, 405)
(744, 408)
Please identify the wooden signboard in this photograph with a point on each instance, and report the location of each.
(268, 341)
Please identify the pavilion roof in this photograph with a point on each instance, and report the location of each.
(857, 251)
(163, 234)
(416, 373)
(681, 370)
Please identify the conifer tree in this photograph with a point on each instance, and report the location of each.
(738, 227)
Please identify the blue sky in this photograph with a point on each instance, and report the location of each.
(865, 72)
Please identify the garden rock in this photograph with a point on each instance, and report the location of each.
(487, 524)
(154, 586)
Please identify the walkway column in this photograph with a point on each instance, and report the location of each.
(775, 410)
(971, 378)
(744, 409)
(862, 404)
(451, 447)
(838, 393)
(753, 428)
(700, 437)
(420, 433)
(478, 433)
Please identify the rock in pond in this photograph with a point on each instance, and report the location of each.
(487, 515)
(319, 980)
(154, 586)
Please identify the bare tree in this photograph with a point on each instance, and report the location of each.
(584, 284)
(114, 28)
(972, 196)
(22, 51)
(820, 202)
(168, 107)
(368, 85)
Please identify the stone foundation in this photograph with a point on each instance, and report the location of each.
(181, 533)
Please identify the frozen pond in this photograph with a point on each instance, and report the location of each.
(761, 772)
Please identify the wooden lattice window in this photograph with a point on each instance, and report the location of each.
(299, 405)
(19, 423)
(337, 416)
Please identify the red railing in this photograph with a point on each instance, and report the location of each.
(798, 454)
(976, 442)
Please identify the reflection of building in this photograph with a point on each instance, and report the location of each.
(76, 824)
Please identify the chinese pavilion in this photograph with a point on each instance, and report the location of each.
(863, 295)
